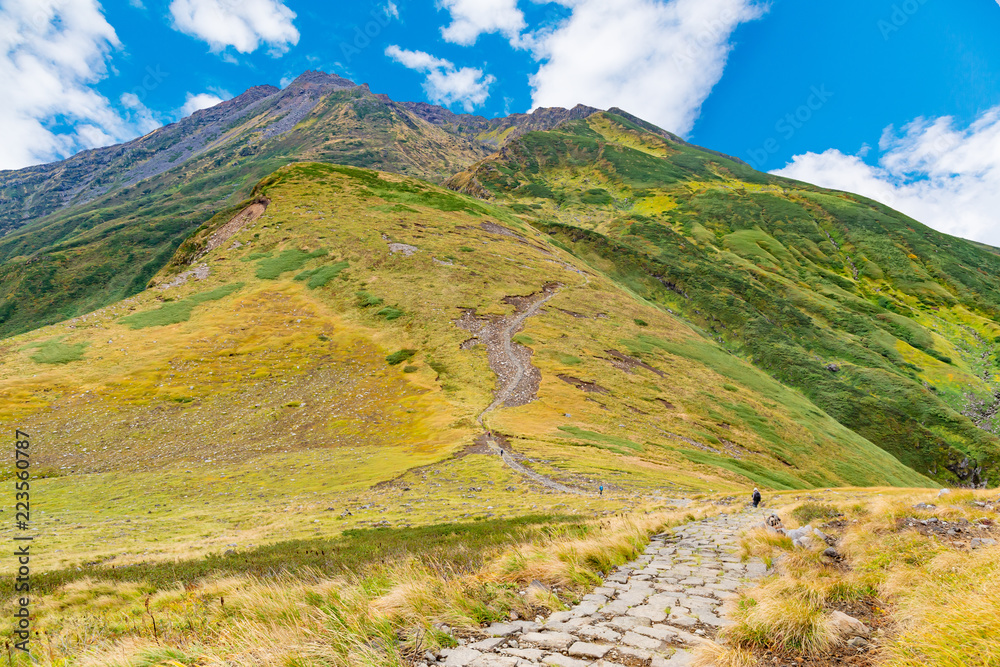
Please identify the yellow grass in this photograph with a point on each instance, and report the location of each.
(941, 601)
(372, 618)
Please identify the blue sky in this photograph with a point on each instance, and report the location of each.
(897, 99)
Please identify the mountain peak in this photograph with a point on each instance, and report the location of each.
(317, 78)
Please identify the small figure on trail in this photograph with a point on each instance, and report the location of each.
(756, 497)
(600, 490)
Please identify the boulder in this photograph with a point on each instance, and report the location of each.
(557, 641)
(847, 626)
(798, 533)
(459, 657)
(803, 537)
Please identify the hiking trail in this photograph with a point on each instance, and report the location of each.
(517, 377)
(651, 611)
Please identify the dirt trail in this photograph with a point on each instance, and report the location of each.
(528, 472)
(517, 378)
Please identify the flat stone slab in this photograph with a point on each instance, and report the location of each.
(487, 645)
(460, 657)
(662, 632)
(626, 623)
(599, 633)
(502, 629)
(532, 654)
(490, 660)
(642, 641)
(680, 658)
(560, 660)
(550, 640)
(586, 650)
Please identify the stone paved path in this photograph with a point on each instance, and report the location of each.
(648, 612)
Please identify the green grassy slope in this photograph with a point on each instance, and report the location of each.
(96, 252)
(884, 323)
(207, 409)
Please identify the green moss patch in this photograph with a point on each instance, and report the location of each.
(609, 442)
(178, 311)
(289, 260)
(399, 357)
(54, 351)
(320, 277)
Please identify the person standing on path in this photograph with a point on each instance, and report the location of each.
(756, 497)
(600, 490)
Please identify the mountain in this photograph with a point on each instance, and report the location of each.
(354, 330)
(283, 408)
(887, 325)
(881, 322)
(93, 229)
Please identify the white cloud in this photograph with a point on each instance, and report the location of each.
(471, 18)
(446, 84)
(139, 115)
(241, 24)
(197, 102)
(943, 175)
(392, 11)
(656, 59)
(418, 60)
(51, 51)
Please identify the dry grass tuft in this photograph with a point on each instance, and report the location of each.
(783, 616)
(711, 654)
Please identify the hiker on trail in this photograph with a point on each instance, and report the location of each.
(600, 490)
(756, 497)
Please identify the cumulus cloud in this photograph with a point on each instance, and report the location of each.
(51, 51)
(242, 24)
(936, 172)
(444, 83)
(471, 18)
(656, 59)
(197, 102)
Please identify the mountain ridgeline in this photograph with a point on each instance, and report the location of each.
(104, 221)
(861, 313)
